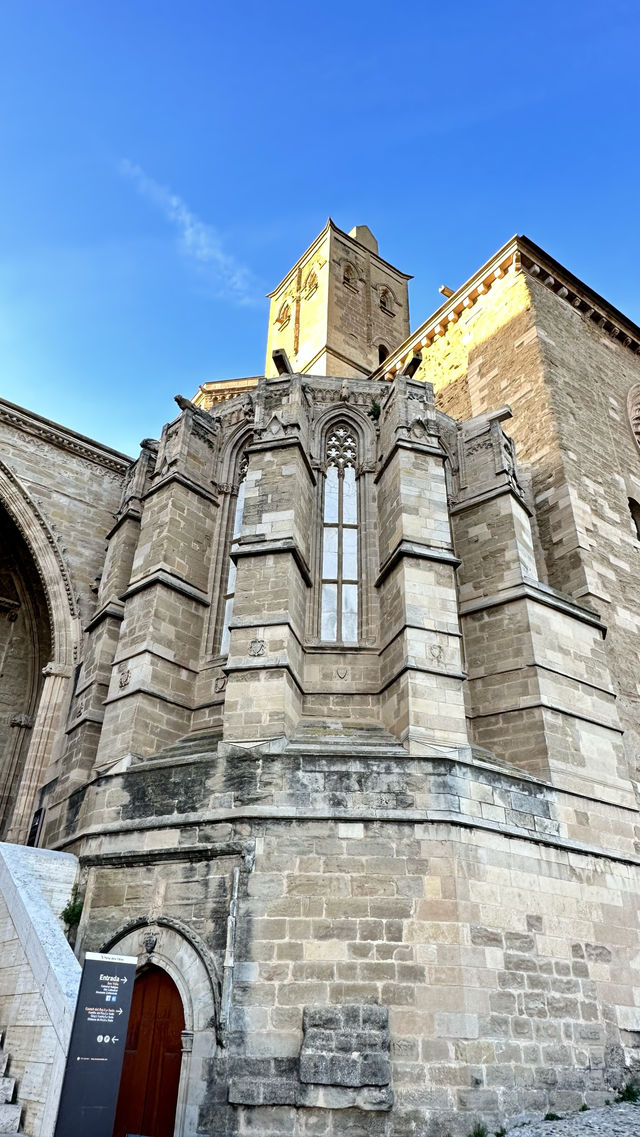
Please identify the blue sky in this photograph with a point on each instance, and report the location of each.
(163, 164)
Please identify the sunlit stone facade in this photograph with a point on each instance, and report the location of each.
(333, 692)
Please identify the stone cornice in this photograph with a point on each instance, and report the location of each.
(418, 551)
(517, 255)
(541, 593)
(166, 579)
(65, 439)
(272, 547)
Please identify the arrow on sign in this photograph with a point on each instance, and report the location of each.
(114, 1039)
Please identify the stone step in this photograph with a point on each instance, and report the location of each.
(10, 1116)
(191, 746)
(7, 1089)
(344, 738)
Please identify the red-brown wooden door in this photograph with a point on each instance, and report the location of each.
(151, 1069)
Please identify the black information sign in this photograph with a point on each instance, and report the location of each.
(96, 1051)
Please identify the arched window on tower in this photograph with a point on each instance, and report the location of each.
(349, 276)
(229, 594)
(339, 573)
(386, 301)
(634, 509)
(284, 315)
(310, 285)
(633, 408)
(382, 352)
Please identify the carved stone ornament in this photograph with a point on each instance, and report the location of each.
(21, 720)
(124, 679)
(149, 942)
(341, 672)
(220, 684)
(257, 647)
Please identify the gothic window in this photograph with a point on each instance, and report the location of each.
(386, 301)
(349, 276)
(238, 508)
(634, 508)
(284, 315)
(311, 285)
(339, 574)
(382, 352)
(633, 407)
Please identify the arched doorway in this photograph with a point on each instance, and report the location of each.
(25, 648)
(151, 1070)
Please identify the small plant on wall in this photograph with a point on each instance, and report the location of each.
(72, 913)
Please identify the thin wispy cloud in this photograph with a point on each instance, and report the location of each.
(198, 240)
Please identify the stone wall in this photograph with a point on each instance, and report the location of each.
(490, 916)
(39, 977)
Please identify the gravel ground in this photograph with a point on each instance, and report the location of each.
(621, 1120)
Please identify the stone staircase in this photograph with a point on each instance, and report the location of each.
(10, 1110)
(201, 744)
(344, 739)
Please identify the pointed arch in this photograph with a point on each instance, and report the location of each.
(170, 945)
(233, 470)
(342, 604)
(50, 565)
(633, 410)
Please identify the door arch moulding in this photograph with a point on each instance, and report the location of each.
(173, 947)
(64, 620)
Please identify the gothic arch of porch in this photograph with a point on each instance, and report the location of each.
(50, 565)
(46, 729)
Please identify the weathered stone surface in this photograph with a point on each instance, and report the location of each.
(393, 873)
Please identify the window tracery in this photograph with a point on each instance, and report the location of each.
(310, 285)
(284, 315)
(386, 301)
(349, 276)
(339, 567)
(235, 532)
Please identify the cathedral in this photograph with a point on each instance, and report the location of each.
(326, 707)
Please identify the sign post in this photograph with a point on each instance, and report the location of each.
(96, 1050)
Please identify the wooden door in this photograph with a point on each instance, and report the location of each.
(151, 1069)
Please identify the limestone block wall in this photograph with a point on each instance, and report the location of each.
(75, 483)
(492, 918)
(588, 376)
(61, 490)
(567, 382)
(39, 977)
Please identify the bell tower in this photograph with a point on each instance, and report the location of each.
(341, 308)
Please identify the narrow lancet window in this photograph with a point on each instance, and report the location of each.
(231, 576)
(339, 604)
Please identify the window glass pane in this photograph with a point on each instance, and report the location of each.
(329, 626)
(331, 495)
(330, 554)
(350, 501)
(350, 612)
(237, 525)
(350, 554)
(231, 580)
(224, 643)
